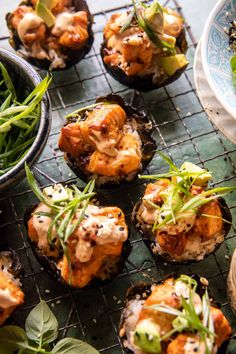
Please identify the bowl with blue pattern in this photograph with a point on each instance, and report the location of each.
(216, 54)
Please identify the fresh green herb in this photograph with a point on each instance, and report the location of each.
(39, 336)
(18, 121)
(187, 319)
(178, 202)
(43, 10)
(143, 15)
(66, 213)
(77, 112)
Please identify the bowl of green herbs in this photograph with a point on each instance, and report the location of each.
(24, 117)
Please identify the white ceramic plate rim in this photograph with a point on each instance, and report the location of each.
(205, 38)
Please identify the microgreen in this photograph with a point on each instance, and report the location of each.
(67, 214)
(40, 336)
(18, 120)
(178, 201)
(186, 318)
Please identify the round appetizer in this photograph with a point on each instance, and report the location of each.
(145, 48)
(73, 237)
(173, 317)
(109, 141)
(11, 295)
(51, 34)
(179, 218)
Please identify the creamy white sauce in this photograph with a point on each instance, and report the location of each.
(41, 225)
(6, 299)
(63, 23)
(29, 22)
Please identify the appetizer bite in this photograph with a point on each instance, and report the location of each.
(179, 218)
(145, 48)
(11, 295)
(109, 141)
(51, 34)
(76, 239)
(174, 316)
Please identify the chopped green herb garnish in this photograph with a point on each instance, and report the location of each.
(178, 201)
(187, 319)
(18, 120)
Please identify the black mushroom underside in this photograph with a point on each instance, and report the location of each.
(72, 56)
(149, 238)
(144, 129)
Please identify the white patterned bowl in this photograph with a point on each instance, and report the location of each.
(216, 54)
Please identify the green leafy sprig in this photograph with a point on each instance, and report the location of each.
(180, 183)
(187, 318)
(40, 336)
(63, 212)
(18, 121)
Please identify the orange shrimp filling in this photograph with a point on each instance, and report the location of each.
(111, 150)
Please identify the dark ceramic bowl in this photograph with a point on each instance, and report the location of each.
(25, 79)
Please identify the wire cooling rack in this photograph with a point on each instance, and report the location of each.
(182, 130)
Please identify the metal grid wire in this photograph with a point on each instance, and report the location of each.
(183, 131)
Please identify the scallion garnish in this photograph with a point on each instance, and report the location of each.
(18, 120)
(178, 201)
(142, 13)
(66, 214)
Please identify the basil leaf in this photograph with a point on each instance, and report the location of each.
(41, 324)
(12, 338)
(73, 346)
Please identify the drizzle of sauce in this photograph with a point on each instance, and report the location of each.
(194, 346)
(29, 22)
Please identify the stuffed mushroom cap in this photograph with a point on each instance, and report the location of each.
(158, 318)
(145, 48)
(53, 37)
(88, 241)
(109, 141)
(179, 218)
